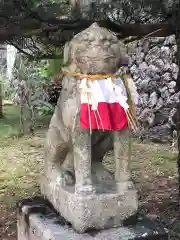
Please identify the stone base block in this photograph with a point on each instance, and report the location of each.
(99, 210)
(37, 220)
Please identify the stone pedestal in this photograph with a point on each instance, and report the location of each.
(108, 206)
(96, 199)
(38, 221)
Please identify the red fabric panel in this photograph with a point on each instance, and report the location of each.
(113, 117)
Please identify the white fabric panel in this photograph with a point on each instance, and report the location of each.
(106, 90)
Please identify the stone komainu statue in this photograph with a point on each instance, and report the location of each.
(73, 157)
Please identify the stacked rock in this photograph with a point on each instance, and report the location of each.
(152, 65)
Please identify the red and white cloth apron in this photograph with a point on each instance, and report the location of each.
(104, 103)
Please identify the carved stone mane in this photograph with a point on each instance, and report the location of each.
(88, 48)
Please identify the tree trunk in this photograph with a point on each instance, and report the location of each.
(1, 102)
(178, 106)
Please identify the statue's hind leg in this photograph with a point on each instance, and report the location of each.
(56, 153)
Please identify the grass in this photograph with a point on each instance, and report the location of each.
(21, 161)
(20, 157)
(9, 125)
(20, 167)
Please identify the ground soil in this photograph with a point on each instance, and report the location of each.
(21, 160)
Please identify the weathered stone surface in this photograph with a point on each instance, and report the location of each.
(38, 221)
(171, 85)
(170, 40)
(153, 55)
(70, 179)
(160, 133)
(3, 58)
(104, 209)
(155, 77)
(147, 116)
(153, 99)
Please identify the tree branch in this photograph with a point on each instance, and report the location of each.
(123, 30)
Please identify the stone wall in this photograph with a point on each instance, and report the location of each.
(155, 72)
(3, 57)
